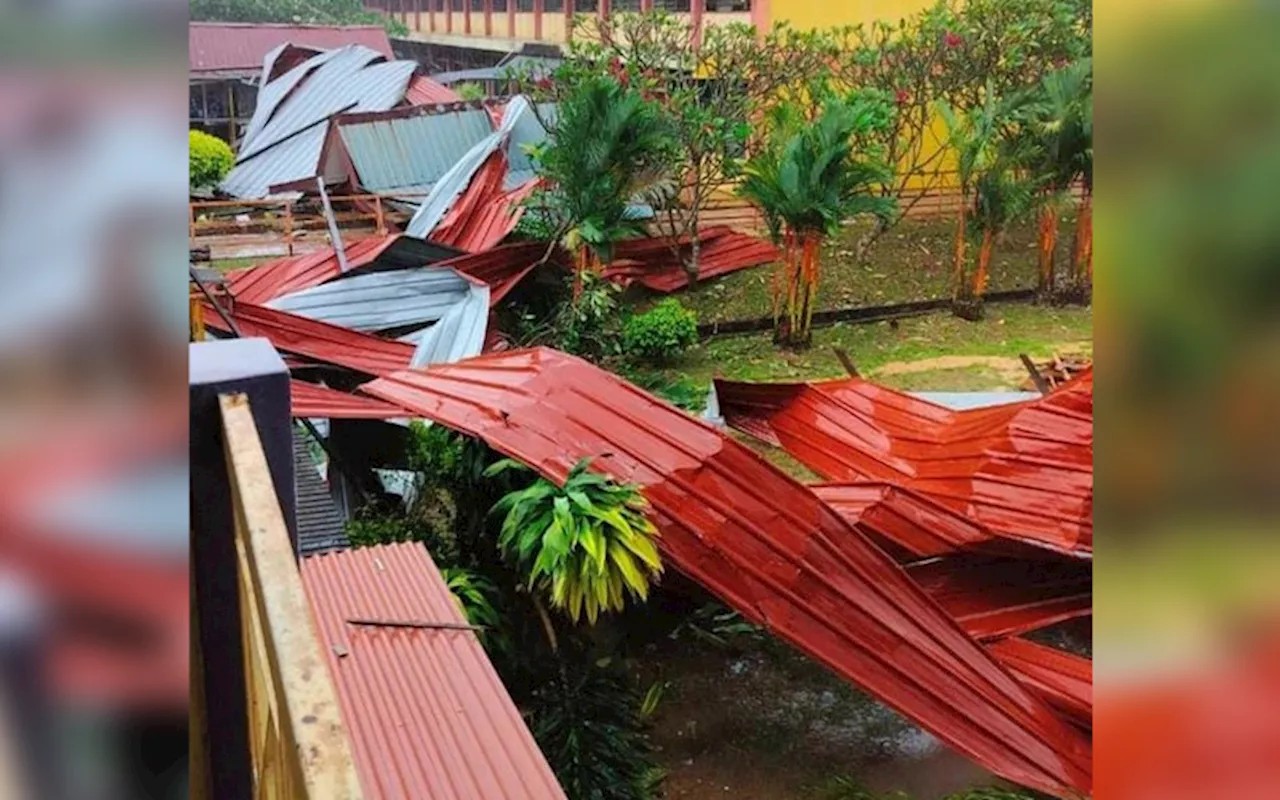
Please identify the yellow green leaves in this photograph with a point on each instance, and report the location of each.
(588, 544)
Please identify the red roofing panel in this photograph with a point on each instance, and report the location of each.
(652, 263)
(1064, 679)
(1023, 471)
(764, 544)
(485, 214)
(428, 716)
(312, 400)
(240, 48)
(501, 267)
(265, 282)
(424, 91)
(321, 341)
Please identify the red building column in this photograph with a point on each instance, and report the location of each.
(466, 16)
(488, 17)
(511, 19)
(538, 7)
(603, 9)
(448, 16)
(696, 9)
(431, 14)
(647, 5)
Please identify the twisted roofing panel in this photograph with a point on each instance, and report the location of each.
(763, 543)
(652, 263)
(427, 714)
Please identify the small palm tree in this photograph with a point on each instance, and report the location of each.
(994, 191)
(608, 146)
(587, 544)
(807, 181)
(1057, 135)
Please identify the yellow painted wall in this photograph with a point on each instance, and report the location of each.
(826, 13)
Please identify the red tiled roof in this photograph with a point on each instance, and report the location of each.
(763, 543)
(1023, 471)
(238, 48)
(427, 714)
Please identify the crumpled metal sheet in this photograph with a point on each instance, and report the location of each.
(425, 91)
(503, 267)
(764, 544)
(1023, 471)
(409, 150)
(487, 212)
(1064, 679)
(319, 341)
(313, 401)
(652, 263)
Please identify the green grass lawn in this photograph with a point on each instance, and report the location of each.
(228, 264)
(910, 262)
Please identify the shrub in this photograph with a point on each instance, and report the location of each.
(661, 333)
(211, 159)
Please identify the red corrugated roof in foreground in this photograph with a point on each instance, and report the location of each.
(424, 91)
(315, 401)
(486, 213)
(764, 544)
(265, 282)
(427, 714)
(652, 263)
(331, 344)
(240, 48)
(1064, 679)
(1022, 471)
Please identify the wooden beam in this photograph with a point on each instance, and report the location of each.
(310, 720)
(846, 362)
(1041, 384)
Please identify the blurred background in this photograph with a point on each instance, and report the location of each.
(93, 535)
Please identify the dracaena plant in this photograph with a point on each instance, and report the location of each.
(587, 544)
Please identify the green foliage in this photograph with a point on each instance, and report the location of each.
(844, 787)
(210, 159)
(717, 625)
(586, 722)
(299, 12)
(587, 328)
(807, 178)
(660, 334)
(476, 596)
(373, 526)
(680, 391)
(607, 146)
(587, 544)
(1055, 139)
(470, 90)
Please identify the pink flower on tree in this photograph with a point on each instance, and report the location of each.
(952, 40)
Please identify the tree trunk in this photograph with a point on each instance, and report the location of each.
(959, 255)
(982, 275)
(866, 240)
(1048, 243)
(1082, 260)
(695, 255)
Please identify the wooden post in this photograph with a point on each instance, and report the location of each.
(538, 6)
(448, 16)
(381, 218)
(603, 9)
(696, 9)
(231, 113)
(488, 17)
(288, 225)
(431, 14)
(569, 11)
(417, 16)
(1042, 386)
(466, 17)
(511, 19)
(846, 362)
(192, 208)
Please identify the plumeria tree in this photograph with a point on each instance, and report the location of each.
(807, 180)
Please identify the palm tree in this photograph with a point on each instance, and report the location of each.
(994, 191)
(586, 543)
(1057, 131)
(608, 146)
(807, 181)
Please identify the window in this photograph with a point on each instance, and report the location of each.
(477, 5)
(556, 6)
(625, 5)
(500, 5)
(728, 6)
(586, 6)
(524, 5)
(678, 6)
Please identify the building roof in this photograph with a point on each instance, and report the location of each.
(425, 709)
(320, 526)
(237, 49)
(763, 543)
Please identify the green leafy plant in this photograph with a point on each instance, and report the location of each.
(680, 391)
(586, 544)
(587, 723)
(660, 334)
(606, 146)
(843, 787)
(807, 181)
(373, 525)
(587, 328)
(210, 159)
(470, 90)
(475, 595)
(310, 12)
(715, 624)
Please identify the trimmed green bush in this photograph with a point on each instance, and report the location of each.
(660, 334)
(211, 159)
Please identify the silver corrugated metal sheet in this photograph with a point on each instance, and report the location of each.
(286, 134)
(380, 301)
(412, 154)
(459, 334)
(519, 128)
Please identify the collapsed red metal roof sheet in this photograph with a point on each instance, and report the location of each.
(1064, 679)
(652, 263)
(424, 91)
(486, 213)
(315, 401)
(763, 543)
(1023, 471)
(427, 714)
(502, 268)
(265, 282)
(238, 49)
(331, 344)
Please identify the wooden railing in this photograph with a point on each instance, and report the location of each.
(298, 745)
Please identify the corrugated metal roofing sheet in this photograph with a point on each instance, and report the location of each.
(763, 543)
(427, 714)
(312, 401)
(1064, 679)
(502, 268)
(240, 47)
(285, 137)
(1022, 471)
(320, 526)
(424, 91)
(411, 152)
(329, 344)
(381, 301)
(651, 263)
(486, 213)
